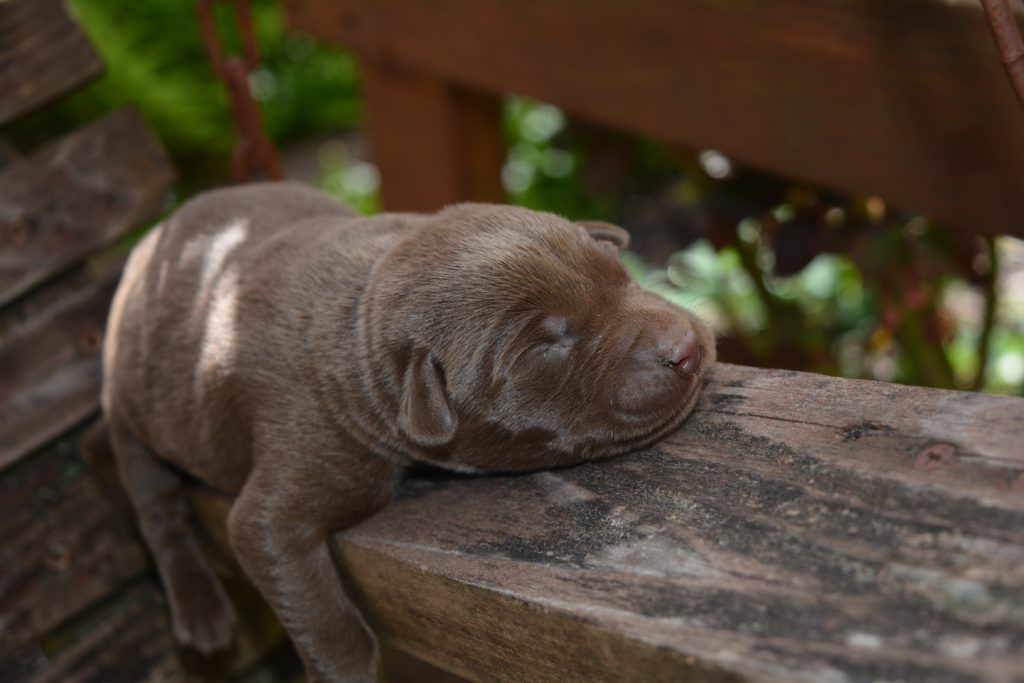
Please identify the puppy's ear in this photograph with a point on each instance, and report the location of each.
(606, 232)
(425, 415)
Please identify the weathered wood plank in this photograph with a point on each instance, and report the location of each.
(798, 528)
(75, 195)
(43, 54)
(435, 144)
(902, 99)
(68, 553)
(128, 639)
(51, 363)
(51, 299)
(65, 546)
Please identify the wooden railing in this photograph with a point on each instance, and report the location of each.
(906, 99)
(797, 528)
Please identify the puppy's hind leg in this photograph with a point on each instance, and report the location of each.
(200, 609)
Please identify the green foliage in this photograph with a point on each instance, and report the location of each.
(543, 169)
(157, 62)
(355, 182)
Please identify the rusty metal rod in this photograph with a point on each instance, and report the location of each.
(1003, 23)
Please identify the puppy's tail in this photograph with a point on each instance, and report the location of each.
(95, 442)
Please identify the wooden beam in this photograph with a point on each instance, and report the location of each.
(43, 54)
(798, 528)
(435, 144)
(906, 99)
(50, 358)
(65, 546)
(78, 598)
(75, 195)
(126, 639)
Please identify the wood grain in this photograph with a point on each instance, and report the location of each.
(50, 348)
(43, 54)
(75, 195)
(78, 598)
(65, 546)
(435, 144)
(128, 639)
(798, 528)
(53, 297)
(905, 99)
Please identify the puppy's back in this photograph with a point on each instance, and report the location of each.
(173, 324)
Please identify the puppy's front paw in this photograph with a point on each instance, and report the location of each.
(203, 616)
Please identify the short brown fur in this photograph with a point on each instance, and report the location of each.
(272, 343)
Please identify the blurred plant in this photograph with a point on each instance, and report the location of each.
(542, 170)
(353, 181)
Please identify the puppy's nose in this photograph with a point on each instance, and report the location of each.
(678, 350)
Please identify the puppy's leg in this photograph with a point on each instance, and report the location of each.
(200, 609)
(279, 529)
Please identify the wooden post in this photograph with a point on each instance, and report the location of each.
(435, 143)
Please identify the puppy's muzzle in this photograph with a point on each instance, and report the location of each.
(660, 368)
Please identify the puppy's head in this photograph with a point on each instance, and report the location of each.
(509, 339)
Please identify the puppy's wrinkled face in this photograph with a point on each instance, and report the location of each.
(545, 350)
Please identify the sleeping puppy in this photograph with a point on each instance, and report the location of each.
(274, 344)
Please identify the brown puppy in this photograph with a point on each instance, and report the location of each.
(272, 343)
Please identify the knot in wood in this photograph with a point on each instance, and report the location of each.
(935, 456)
(90, 339)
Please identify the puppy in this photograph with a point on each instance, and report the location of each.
(272, 343)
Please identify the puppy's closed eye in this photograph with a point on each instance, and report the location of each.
(557, 340)
(556, 347)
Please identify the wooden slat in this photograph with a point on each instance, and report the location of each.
(69, 552)
(76, 194)
(434, 144)
(50, 361)
(903, 99)
(56, 295)
(43, 54)
(128, 639)
(65, 546)
(798, 528)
